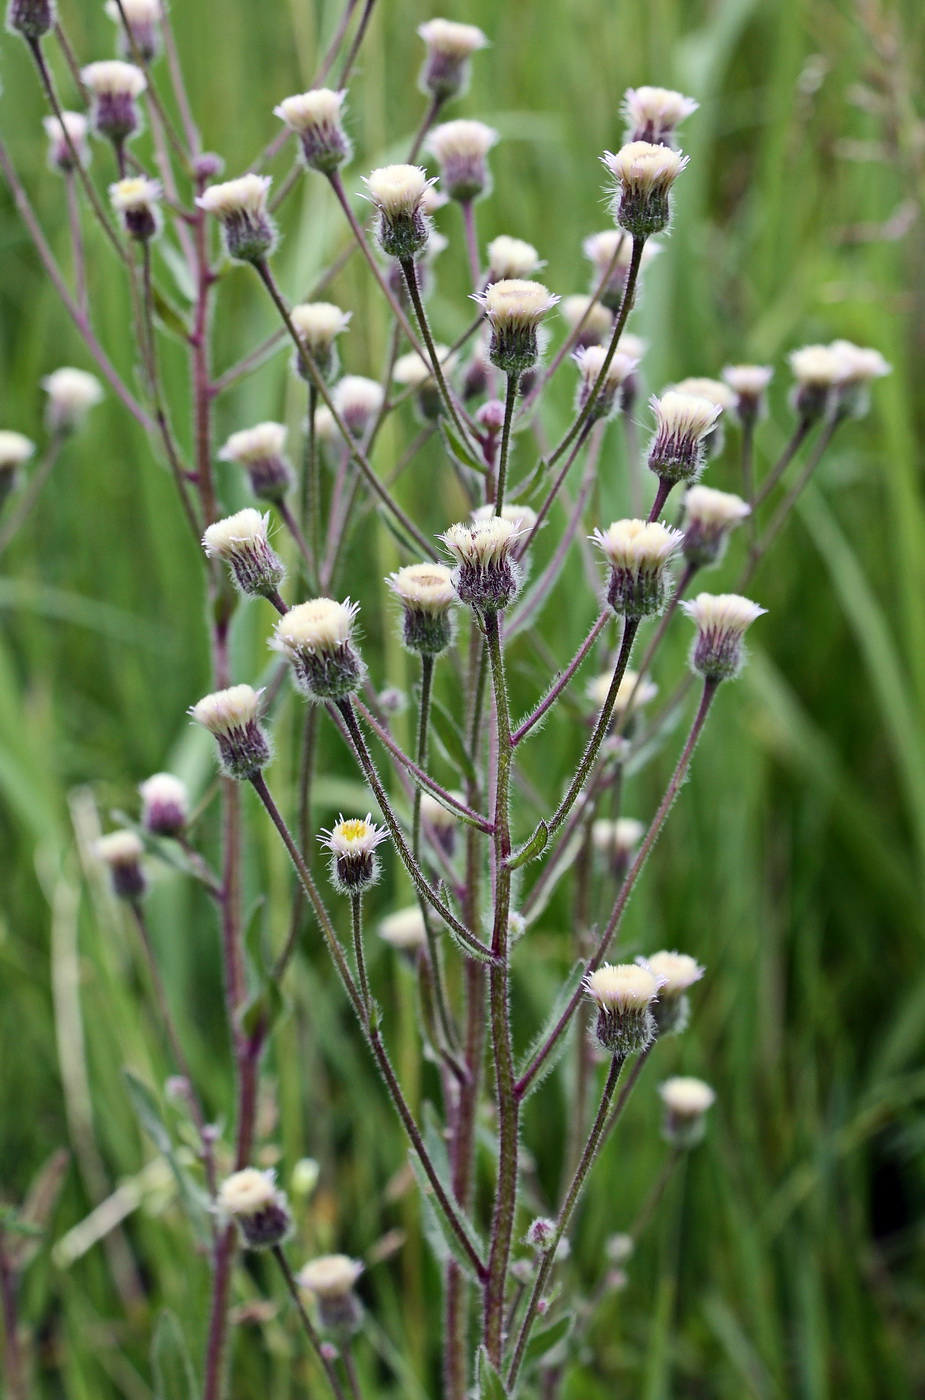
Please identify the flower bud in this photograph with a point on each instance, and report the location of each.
(683, 421)
(358, 401)
(330, 1279)
(461, 150)
(818, 371)
(678, 972)
(541, 1234)
(164, 804)
(624, 994)
(749, 383)
(486, 575)
(721, 620)
(144, 20)
(260, 451)
(426, 594)
(260, 1210)
(514, 309)
(860, 367)
(75, 124)
(241, 208)
(115, 88)
(644, 174)
(136, 201)
(653, 113)
(352, 843)
(232, 716)
(639, 552)
(412, 371)
(317, 119)
(326, 429)
(31, 18)
(398, 191)
(511, 259)
(404, 931)
(687, 1102)
(477, 376)
(316, 638)
(590, 362)
(600, 249)
(709, 518)
(617, 841)
(121, 853)
(243, 542)
(71, 395)
(716, 393)
(449, 47)
(318, 324)
(597, 326)
(15, 449)
(443, 821)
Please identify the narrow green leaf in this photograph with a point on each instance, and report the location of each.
(533, 848)
(171, 1365)
(558, 1006)
(451, 740)
(149, 1117)
(440, 1236)
(545, 1340)
(459, 449)
(490, 1386)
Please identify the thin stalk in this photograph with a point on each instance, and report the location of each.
(472, 243)
(77, 242)
(311, 484)
(70, 59)
(410, 274)
(202, 370)
(661, 497)
(510, 400)
(178, 84)
(13, 1367)
(634, 465)
(356, 927)
(783, 462)
(556, 487)
(565, 1215)
(469, 814)
(655, 641)
(151, 92)
(427, 121)
(327, 63)
(357, 41)
(748, 472)
(657, 1191)
(308, 1326)
(292, 525)
(786, 506)
(562, 680)
(292, 178)
(31, 493)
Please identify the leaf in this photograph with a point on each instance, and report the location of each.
(545, 1340)
(149, 1117)
(442, 1239)
(171, 1366)
(533, 848)
(169, 317)
(552, 1059)
(255, 940)
(179, 270)
(451, 740)
(262, 1011)
(460, 450)
(489, 1385)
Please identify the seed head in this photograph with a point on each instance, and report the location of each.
(426, 594)
(260, 451)
(644, 174)
(15, 449)
(624, 994)
(721, 620)
(683, 422)
(461, 150)
(404, 930)
(597, 320)
(164, 804)
(59, 152)
(318, 324)
(317, 638)
(749, 383)
(253, 1201)
(136, 201)
(710, 518)
(398, 191)
(114, 90)
(680, 972)
(317, 119)
(860, 367)
(449, 47)
(232, 716)
(617, 841)
(144, 18)
(121, 853)
(590, 362)
(819, 372)
(511, 259)
(330, 1279)
(514, 309)
(654, 113)
(242, 540)
(687, 1102)
(71, 395)
(352, 842)
(639, 552)
(241, 208)
(486, 575)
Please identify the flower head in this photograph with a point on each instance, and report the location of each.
(242, 210)
(593, 316)
(654, 113)
(242, 541)
(721, 620)
(398, 191)
(639, 552)
(644, 174)
(687, 1102)
(510, 259)
(617, 841)
(683, 423)
(260, 451)
(164, 804)
(71, 395)
(114, 88)
(624, 994)
(352, 842)
(818, 371)
(514, 309)
(486, 575)
(15, 449)
(31, 18)
(136, 200)
(317, 639)
(121, 853)
(253, 1201)
(426, 594)
(358, 401)
(449, 47)
(749, 383)
(72, 124)
(330, 1279)
(317, 118)
(710, 518)
(232, 716)
(144, 18)
(860, 367)
(632, 693)
(590, 362)
(609, 253)
(418, 374)
(404, 930)
(461, 150)
(318, 324)
(522, 517)
(679, 972)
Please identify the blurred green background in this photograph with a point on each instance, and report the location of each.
(786, 1261)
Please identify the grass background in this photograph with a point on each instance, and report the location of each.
(786, 1261)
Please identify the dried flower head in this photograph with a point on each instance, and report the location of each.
(683, 423)
(624, 994)
(242, 210)
(242, 541)
(654, 113)
(260, 451)
(590, 362)
(709, 518)
(404, 930)
(617, 841)
(721, 620)
(511, 259)
(687, 1102)
(486, 575)
(31, 18)
(121, 853)
(644, 174)
(352, 842)
(75, 125)
(398, 191)
(639, 552)
(136, 200)
(449, 47)
(514, 309)
(461, 150)
(164, 804)
(317, 118)
(679, 972)
(71, 395)
(15, 449)
(601, 249)
(749, 383)
(144, 19)
(330, 1279)
(318, 324)
(595, 319)
(317, 638)
(115, 88)
(254, 1202)
(426, 594)
(860, 367)
(818, 371)
(233, 717)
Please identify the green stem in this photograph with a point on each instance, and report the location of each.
(356, 922)
(510, 399)
(308, 1326)
(409, 271)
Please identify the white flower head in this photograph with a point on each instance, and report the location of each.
(426, 594)
(136, 11)
(617, 841)
(632, 693)
(721, 620)
(260, 451)
(232, 716)
(115, 88)
(514, 309)
(860, 367)
(121, 853)
(486, 576)
(331, 1275)
(710, 516)
(241, 207)
(317, 119)
(522, 517)
(397, 191)
(253, 1201)
(687, 1101)
(749, 383)
(590, 361)
(819, 372)
(358, 401)
(143, 18)
(414, 372)
(164, 804)
(638, 552)
(242, 541)
(326, 429)
(624, 994)
(15, 449)
(436, 814)
(644, 174)
(352, 842)
(317, 638)
(319, 323)
(609, 253)
(713, 390)
(404, 930)
(683, 423)
(654, 113)
(450, 45)
(511, 259)
(112, 78)
(71, 395)
(461, 150)
(76, 125)
(679, 972)
(595, 319)
(137, 200)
